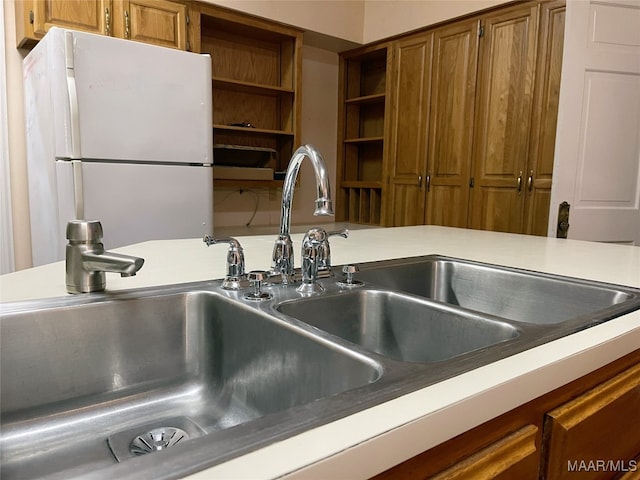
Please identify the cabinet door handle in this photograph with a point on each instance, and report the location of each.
(107, 22)
(530, 181)
(428, 182)
(419, 180)
(126, 25)
(520, 182)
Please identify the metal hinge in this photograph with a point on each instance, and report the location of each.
(31, 18)
(188, 20)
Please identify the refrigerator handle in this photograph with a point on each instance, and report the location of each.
(74, 133)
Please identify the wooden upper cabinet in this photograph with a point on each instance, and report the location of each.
(453, 88)
(410, 120)
(159, 22)
(34, 18)
(503, 118)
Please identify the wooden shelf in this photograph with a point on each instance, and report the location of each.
(364, 140)
(230, 183)
(366, 99)
(250, 130)
(249, 87)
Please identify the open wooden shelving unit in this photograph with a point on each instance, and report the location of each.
(256, 70)
(362, 103)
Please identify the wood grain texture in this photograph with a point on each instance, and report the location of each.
(409, 126)
(539, 170)
(514, 456)
(503, 119)
(600, 426)
(452, 101)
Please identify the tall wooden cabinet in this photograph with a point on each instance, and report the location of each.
(451, 123)
(472, 108)
(408, 139)
(160, 22)
(506, 77)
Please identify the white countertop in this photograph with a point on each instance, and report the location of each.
(369, 442)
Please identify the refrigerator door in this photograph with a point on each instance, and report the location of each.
(136, 203)
(119, 100)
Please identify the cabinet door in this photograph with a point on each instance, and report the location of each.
(453, 87)
(545, 116)
(160, 22)
(514, 456)
(410, 117)
(505, 91)
(92, 16)
(595, 435)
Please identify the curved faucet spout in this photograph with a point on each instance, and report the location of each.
(283, 249)
(323, 205)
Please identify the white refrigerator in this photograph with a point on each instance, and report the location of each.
(117, 131)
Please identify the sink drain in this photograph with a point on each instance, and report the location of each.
(157, 439)
(153, 437)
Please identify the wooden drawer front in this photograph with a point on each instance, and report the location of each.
(514, 456)
(598, 433)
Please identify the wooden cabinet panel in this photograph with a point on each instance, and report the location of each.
(160, 22)
(601, 425)
(86, 15)
(504, 102)
(514, 456)
(545, 115)
(595, 417)
(410, 117)
(453, 87)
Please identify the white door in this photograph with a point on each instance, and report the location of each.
(597, 156)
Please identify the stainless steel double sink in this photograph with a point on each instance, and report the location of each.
(196, 375)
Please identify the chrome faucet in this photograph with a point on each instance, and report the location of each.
(87, 261)
(283, 258)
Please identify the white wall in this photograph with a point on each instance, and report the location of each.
(16, 142)
(342, 19)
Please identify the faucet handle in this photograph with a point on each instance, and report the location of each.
(256, 277)
(350, 271)
(324, 256)
(236, 277)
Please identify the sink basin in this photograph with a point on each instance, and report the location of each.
(82, 379)
(172, 380)
(513, 294)
(399, 326)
